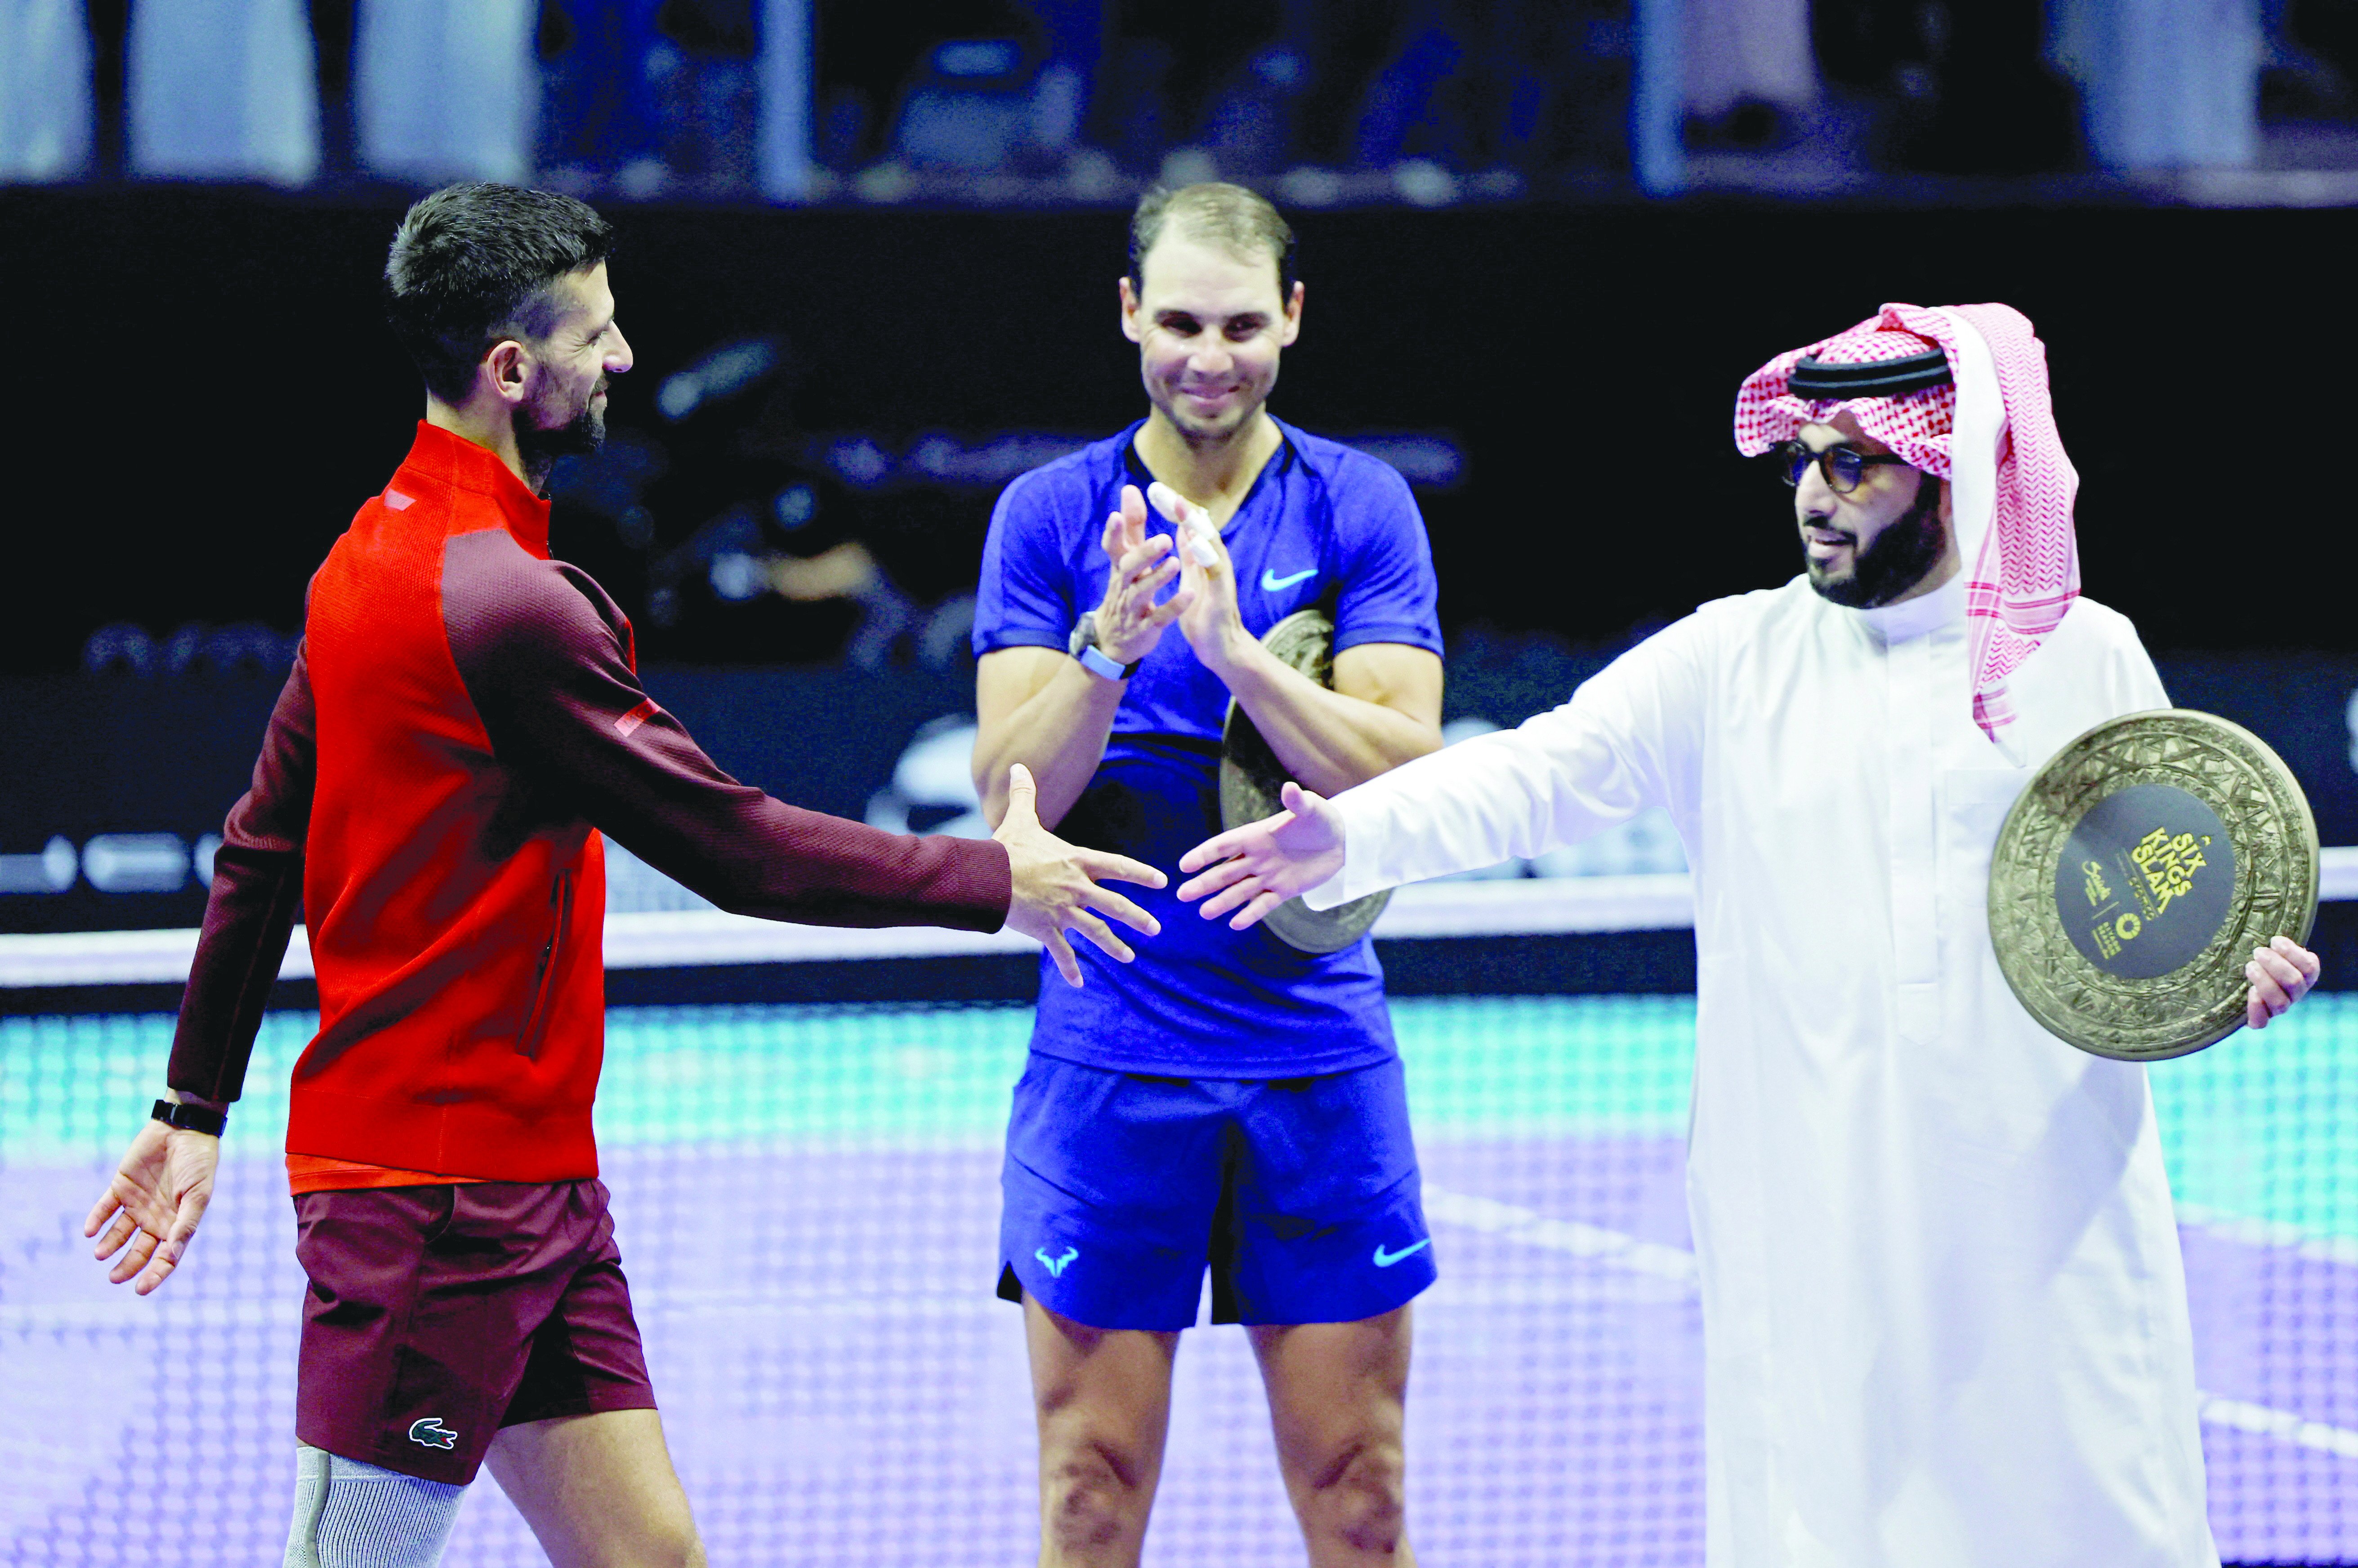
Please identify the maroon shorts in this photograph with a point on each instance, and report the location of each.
(438, 1315)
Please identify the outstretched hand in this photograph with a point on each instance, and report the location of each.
(1255, 868)
(158, 1194)
(1056, 886)
(2281, 974)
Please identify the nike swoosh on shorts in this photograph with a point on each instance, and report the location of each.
(1386, 1260)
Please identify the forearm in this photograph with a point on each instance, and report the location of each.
(751, 854)
(256, 893)
(657, 793)
(1328, 740)
(1517, 794)
(255, 899)
(1059, 732)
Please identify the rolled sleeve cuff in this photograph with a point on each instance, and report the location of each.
(1415, 636)
(1023, 637)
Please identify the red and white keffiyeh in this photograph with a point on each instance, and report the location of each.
(2014, 485)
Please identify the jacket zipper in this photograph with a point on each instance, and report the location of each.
(560, 903)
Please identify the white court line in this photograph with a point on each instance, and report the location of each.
(1508, 1222)
(688, 938)
(1511, 1222)
(2271, 1233)
(1508, 906)
(2283, 1425)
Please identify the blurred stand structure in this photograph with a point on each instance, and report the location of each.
(746, 518)
(445, 90)
(223, 90)
(996, 103)
(45, 108)
(2169, 83)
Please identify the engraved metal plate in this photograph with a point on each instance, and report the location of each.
(1251, 776)
(2139, 871)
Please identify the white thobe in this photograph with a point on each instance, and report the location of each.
(1944, 1311)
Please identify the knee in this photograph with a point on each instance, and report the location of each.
(666, 1536)
(677, 1546)
(1360, 1496)
(1092, 1494)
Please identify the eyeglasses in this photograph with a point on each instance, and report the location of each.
(1843, 466)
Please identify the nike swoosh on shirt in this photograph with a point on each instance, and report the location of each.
(1270, 582)
(1386, 1260)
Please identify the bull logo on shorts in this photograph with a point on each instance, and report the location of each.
(433, 1433)
(1055, 1266)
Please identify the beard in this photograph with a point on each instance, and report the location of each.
(1901, 556)
(578, 437)
(1194, 429)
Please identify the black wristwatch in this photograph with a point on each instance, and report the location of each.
(1096, 660)
(190, 1118)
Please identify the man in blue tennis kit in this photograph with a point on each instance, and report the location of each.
(1228, 1101)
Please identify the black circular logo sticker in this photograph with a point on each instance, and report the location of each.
(2144, 880)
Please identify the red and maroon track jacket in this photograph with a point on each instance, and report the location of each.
(463, 717)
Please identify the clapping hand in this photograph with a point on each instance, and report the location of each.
(158, 1194)
(1209, 618)
(1255, 868)
(1129, 620)
(1056, 886)
(2281, 973)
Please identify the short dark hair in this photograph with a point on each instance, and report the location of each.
(472, 264)
(1240, 221)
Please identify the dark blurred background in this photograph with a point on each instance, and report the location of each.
(868, 261)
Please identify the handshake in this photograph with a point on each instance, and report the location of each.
(1249, 869)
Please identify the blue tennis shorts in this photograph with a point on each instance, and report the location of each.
(1299, 1195)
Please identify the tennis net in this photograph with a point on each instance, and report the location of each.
(807, 1200)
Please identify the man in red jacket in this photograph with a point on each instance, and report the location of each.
(463, 720)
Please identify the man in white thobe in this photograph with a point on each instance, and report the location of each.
(1946, 1320)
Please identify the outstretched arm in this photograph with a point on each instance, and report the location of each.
(1628, 738)
(551, 677)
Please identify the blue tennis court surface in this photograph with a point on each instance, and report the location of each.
(807, 1200)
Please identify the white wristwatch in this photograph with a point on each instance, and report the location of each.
(1093, 659)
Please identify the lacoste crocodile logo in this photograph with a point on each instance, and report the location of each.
(432, 1434)
(1055, 1266)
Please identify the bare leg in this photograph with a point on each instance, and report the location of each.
(1338, 1401)
(599, 1491)
(1104, 1403)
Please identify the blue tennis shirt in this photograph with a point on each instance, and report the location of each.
(1322, 523)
